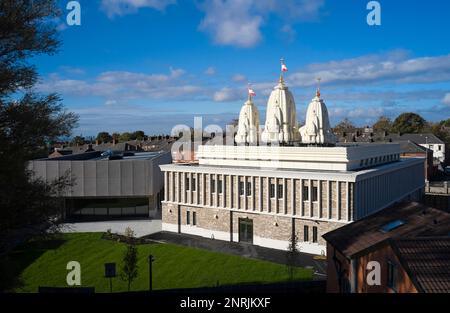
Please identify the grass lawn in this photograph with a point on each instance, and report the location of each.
(43, 263)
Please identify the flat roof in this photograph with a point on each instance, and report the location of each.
(96, 156)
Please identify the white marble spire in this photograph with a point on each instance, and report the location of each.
(317, 128)
(281, 117)
(248, 127)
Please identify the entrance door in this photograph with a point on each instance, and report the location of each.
(245, 230)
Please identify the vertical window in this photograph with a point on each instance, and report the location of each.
(213, 185)
(392, 275)
(241, 188)
(315, 193)
(187, 183)
(249, 188)
(194, 218)
(219, 185)
(280, 191)
(272, 190)
(439, 147)
(188, 217)
(193, 184)
(305, 193)
(306, 233)
(314, 234)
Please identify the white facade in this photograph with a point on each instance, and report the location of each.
(438, 151)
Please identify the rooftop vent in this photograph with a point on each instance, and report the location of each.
(392, 225)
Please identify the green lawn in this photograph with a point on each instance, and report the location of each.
(43, 263)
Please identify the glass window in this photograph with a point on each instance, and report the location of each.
(306, 233)
(315, 193)
(305, 193)
(272, 190)
(392, 275)
(213, 185)
(194, 218)
(249, 188)
(188, 217)
(187, 183)
(193, 184)
(314, 234)
(241, 188)
(280, 191)
(219, 185)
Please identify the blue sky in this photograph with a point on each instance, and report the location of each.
(153, 64)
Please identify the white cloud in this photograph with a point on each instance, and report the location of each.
(238, 77)
(238, 22)
(122, 7)
(446, 99)
(210, 71)
(227, 94)
(126, 85)
(394, 66)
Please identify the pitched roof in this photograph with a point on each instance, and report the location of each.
(421, 139)
(417, 220)
(427, 262)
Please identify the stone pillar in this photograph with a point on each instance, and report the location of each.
(260, 202)
(166, 186)
(302, 207)
(319, 198)
(245, 193)
(293, 197)
(330, 214)
(310, 198)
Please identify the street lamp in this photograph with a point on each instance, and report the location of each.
(151, 259)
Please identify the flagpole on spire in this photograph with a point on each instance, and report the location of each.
(251, 92)
(318, 87)
(283, 69)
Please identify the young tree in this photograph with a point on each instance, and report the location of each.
(344, 126)
(291, 256)
(130, 267)
(103, 137)
(384, 123)
(125, 137)
(29, 122)
(78, 141)
(409, 123)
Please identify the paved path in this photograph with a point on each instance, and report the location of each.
(140, 227)
(245, 250)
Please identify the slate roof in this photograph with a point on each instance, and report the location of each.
(427, 262)
(419, 221)
(421, 139)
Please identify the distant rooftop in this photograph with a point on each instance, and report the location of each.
(96, 156)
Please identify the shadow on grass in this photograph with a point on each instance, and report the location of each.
(14, 263)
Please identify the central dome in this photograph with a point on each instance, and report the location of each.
(281, 116)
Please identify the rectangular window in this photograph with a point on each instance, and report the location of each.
(272, 190)
(194, 218)
(219, 185)
(440, 148)
(314, 234)
(188, 217)
(213, 185)
(249, 188)
(193, 184)
(187, 184)
(241, 188)
(305, 193)
(306, 233)
(315, 193)
(280, 191)
(392, 275)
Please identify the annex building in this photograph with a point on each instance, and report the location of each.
(286, 183)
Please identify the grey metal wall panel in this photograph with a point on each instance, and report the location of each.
(126, 172)
(114, 178)
(90, 177)
(102, 179)
(78, 176)
(139, 177)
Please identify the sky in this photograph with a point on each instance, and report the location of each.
(153, 64)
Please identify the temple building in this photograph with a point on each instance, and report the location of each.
(295, 190)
